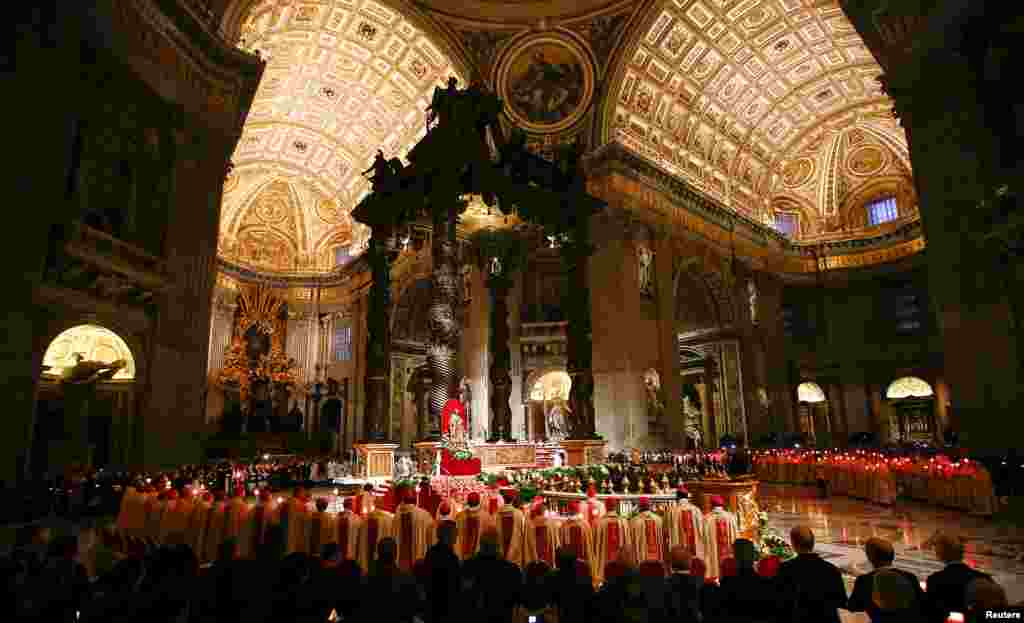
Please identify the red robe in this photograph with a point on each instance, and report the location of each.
(576, 532)
(511, 525)
(613, 540)
(543, 538)
(414, 529)
(469, 525)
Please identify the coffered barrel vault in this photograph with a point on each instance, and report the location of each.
(726, 94)
(344, 78)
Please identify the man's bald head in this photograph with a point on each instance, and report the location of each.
(681, 558)
(802, 539)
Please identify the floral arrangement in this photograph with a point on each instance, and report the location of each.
(772, 544)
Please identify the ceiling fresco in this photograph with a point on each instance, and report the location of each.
(728, 93)
(344, 78)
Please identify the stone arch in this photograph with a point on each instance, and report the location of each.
(95, 340)
(909, 387)
(809, 224)
(853, 211)
(535, 375)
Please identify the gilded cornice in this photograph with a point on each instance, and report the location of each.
(713, 222)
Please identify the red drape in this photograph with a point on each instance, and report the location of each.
(543, 545)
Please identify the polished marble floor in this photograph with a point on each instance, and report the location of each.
(841, 525)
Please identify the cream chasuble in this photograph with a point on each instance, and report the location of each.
(684, 525)
(511, 525)
(195, 533)
(365, 503)
(543, 538)
(576, 532)
(469, 525)
(378, 525)
(132, 518)
(155, 508)
(321, 529)
(414, 528)
(292, 516)
(648, 532)
(721, 530)
(492, 502)
(215, 523)
(254, 527)
(348, 525)
(612, 540)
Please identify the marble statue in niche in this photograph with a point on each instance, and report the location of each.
(646, 260)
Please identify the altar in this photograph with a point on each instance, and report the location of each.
(493, 457)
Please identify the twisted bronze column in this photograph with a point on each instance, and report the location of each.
(443, 349)
(378, 339)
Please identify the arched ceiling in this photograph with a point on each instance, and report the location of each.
(726, 93)
(344, 78)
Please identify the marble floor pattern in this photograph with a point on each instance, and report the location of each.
(841, 525)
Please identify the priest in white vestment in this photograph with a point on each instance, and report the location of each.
(470, 523)
(577, 534)
(684, 524)
(414, 529)
(612, 538)
(511, 525)
(543, 536)
(647, 531)
(721, 530)
(377, 525)
(348, 526)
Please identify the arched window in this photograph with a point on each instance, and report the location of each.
(809, 392)
(343, 342)
(552, 386)
(92, 343)
(787, 223)
(882, 210)
(909, 387)
(342, 255)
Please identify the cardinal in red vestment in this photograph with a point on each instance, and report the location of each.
(377, 526)
(543, 536)
(576, 533)
(647, 532)
(414, 528)
(470, 524)
(612, 538)
(348, 525)
(721, 530)
(684, 524)
(511, 525)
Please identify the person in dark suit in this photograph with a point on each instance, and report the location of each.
(947, 589)
(683, 591)
(573, 593)
(745, 596)
(442, 571)
(390, 594)
(894, 599)
(881, 556)
(491, 585)
(810, 589)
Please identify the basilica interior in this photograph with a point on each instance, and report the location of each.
(775, 223)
